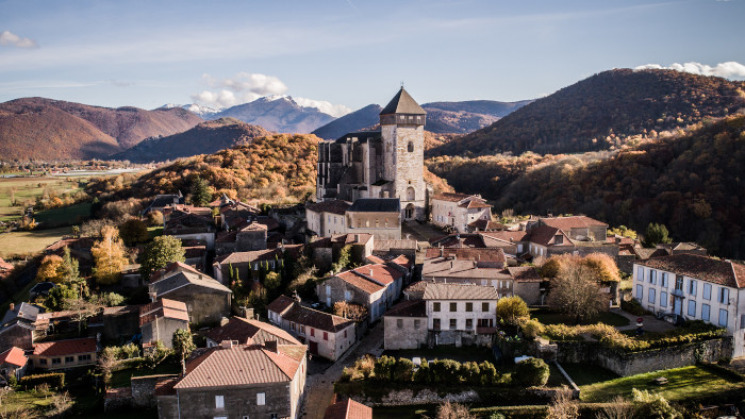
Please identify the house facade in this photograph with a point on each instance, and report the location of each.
(325, 334)
(379, 217)
(375, 287)
(161, 319)
(405, 326)
(327, 218)
(459, 211)
(13, 364)
(64, 354)
(248, 332)
(695, 287)
(239, 381)
(379, 164)
(460, 314)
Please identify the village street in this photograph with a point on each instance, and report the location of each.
(319, 387)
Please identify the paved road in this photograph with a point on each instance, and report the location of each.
(319, 388)
(651, 323)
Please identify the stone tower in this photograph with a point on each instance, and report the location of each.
(402, 132)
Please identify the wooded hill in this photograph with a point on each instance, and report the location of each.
(694, 183)
(603, 111)
(205, 138)
(48, 130)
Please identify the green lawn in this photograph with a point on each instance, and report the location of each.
(550, 317)
(20, 242)
(584, 375)
(74, 214)
(463, 354)
(682, 383)
(27, 189)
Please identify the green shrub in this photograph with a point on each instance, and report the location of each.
(423, 374)
(52, 379)
(403, 371)
(489, 375)
(532, 328)
(470, 373)
(445, 371)
(531, 372)
(384, 368)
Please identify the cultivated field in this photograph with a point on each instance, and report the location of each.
(21, 242)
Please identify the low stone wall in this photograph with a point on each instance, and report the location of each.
(143, 389)
(625, 364)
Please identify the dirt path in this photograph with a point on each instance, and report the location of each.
(319, 388)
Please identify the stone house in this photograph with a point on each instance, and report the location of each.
(578, 235)
(13, 364)
(526, 284)
(348, 409)
(511, 242)
(248, 264)
(64, 354)
(459, 211)
(387, 249)
(248, 332)
(326, 218)
(460, 313)
(206, 299)
(238, 381)
(325, 334)
(250, 237)
(19, 326)
(405, 326)
(380, 217)
(236, 214)
(374, 287)
(379, 164)
(325, 250)
(695, 287)
(191, 227)
(161, 319)
(121, 322)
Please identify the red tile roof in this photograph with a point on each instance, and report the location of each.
(545, 235)
(475, 254)
(475, 203)
(65, 347)
(524, 274)
(170, 268)
(164, 307)
(568, 223)
(5, 265)
(370, 278)
(705, 268)
(436, 291)
(506, 236)
(14, 356)
(281, 304)
(375, 259)
(238, 366)
(348, 409)
(450, 196)
(402, 260)
(251, 331)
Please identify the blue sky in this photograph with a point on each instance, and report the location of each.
(348, 52)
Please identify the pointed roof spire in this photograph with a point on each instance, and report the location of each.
(403, 103)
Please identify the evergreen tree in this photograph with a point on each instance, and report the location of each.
(656, 234)
(183, 345)
(200, 192)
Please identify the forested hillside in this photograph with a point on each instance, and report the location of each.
(603, 111)
(693, 183)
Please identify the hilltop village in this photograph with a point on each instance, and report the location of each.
(378, 296)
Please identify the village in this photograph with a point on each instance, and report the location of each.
(379, 294)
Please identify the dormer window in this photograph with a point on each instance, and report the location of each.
(558, 239)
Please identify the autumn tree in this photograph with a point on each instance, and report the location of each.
(183, 345)
(159, 253)
(110, 257)
(603, 267)
(656, 234)
(575, 291)
(512, 309)
(133, 231)
(449, 410)
(49, 270)
(69, 271)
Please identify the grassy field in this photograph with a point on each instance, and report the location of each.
(19, 242)
(28, 189)
(550, 317)
(74, 214)
(584, 375)
(682, 383)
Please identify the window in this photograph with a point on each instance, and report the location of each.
(325, 335)
(86, 357)
(653, 277)
(347, 295)
(639, 292)
(663, 299)
(328, 289)
(435, 306)
(416, 323)
(692, 308)
(345, 332)
(484, 307)
(219, 402)
(664, 280)
(723, 317)
(705, 312)
(469, 324)
(707, 291)
(56, 361)
(260, 399)
(453, 306)
(679, 283)
(692, 287)
(469, 306)
(400, 323)
(436, 324)
(410, 147)
(723, 295)
(43, 361)
(69, 359)
(652, 297)
(312, 332)
(640, 274)
(453, 324)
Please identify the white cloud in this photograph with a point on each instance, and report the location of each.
(247, 87)
(8, 38)
(730, 70)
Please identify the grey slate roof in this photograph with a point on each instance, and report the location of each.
(183, 278)
(362, 136)
(376, 205)
(403, 103)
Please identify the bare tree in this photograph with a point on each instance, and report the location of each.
(575, 291)
(563, 407)
(618, 408)
(449, 410)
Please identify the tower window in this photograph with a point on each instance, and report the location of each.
(410, 147)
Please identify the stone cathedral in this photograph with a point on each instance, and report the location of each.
(379, 164)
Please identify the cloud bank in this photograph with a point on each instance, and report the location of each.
(247, 87)
(9, 39)
(730, 70)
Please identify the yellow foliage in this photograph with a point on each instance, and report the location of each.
(110, 256)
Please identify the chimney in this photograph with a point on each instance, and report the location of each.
(271, 346)
(371, 272)
(12, 307)
(226, 344)
(296, 296)
(248, 312)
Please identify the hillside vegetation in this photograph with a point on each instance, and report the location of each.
(603, 111)
(205, 138)
(694, 183)
(47, 130)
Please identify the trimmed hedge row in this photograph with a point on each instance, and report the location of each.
(53, 379)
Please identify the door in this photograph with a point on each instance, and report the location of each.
(313, 348)
(678, 306)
